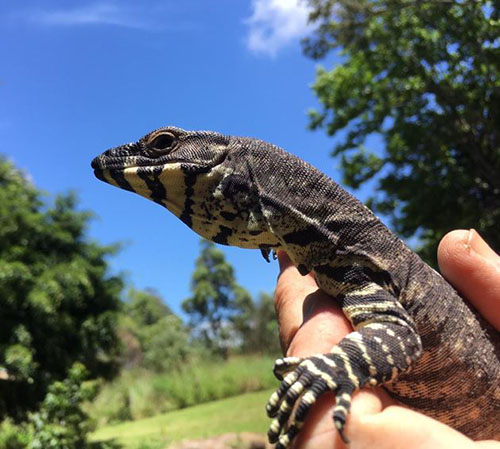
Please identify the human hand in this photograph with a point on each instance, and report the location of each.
(311, 323)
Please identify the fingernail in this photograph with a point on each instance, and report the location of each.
(476, 244)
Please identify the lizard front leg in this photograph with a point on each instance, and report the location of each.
(384, 344)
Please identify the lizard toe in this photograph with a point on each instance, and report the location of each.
(341, 410)
(286, 439)
(285, 365)
(274, 402)
(287, 405)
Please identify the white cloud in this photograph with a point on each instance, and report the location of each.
(96, 14)
(276, 23)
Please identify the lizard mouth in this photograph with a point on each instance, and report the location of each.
(111, 163)
(100, 163)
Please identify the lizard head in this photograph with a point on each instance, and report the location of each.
(198, 176)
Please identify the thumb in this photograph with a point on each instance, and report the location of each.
(473, 268)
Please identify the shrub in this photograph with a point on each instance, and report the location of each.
(14, 436)
(61, 422)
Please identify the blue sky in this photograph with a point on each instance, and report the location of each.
(80, 77)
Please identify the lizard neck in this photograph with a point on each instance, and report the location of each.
(314, 218)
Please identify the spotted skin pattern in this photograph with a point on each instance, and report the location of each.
(413, 334)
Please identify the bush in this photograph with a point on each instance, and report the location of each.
(14, 436)
(153, 337)
(166, 344)
(61, 422)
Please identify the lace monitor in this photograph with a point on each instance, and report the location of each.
(413, 333)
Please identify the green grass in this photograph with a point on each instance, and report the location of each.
(244, 413)
(140, 394)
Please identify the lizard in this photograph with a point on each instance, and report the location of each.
(412, 333)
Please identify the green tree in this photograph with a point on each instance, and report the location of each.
(58, 304)
(258, 326)
(216, 299)
(145, 307)
(425, 76)
(155, 338)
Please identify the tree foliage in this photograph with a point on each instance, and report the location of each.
(57, 300)
(145, 307)
(162, 338)
(425, 76)
(61, 422)
(216, 299)
(258, 326)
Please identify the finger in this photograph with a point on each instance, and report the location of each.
(291, 290)
(323, 328)
(386, 430)
(487, 444)
(301, 305)
(319, 431)
(473, 268)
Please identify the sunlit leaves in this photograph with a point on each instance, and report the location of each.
(425, 76)
(57, 299)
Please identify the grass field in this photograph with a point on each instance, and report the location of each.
(141, 394)
(244, 413)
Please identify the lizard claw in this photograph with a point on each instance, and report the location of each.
(266, 251)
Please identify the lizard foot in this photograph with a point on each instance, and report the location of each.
(305, 381)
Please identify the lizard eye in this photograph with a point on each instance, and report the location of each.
(163, 143)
